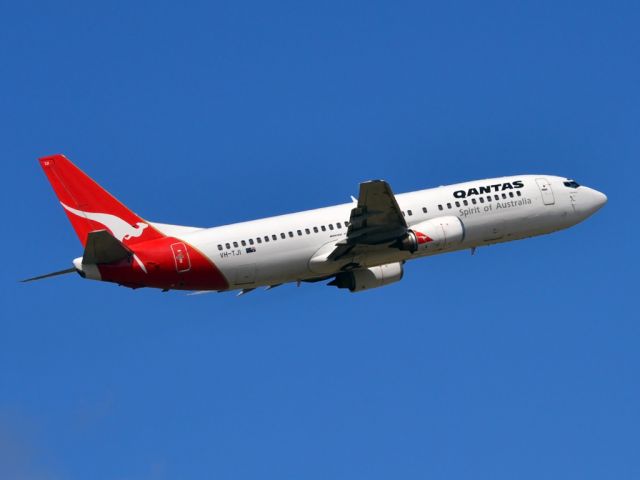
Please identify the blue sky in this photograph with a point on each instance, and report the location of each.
(519, 362)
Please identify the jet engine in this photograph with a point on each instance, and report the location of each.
(367, 278)
(434, 234)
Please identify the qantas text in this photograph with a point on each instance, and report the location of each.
(498, 187)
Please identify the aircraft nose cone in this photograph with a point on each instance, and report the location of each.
(595, 200)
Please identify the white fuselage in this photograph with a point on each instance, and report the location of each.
(284, 248)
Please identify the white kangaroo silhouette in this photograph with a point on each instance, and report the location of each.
(118, 227)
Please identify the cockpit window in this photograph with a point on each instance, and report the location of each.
(571, 184)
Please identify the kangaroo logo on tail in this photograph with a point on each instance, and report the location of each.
(118, 227)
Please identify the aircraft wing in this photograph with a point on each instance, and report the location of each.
(376, 220)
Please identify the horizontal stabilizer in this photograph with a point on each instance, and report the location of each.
(102, 247)
(53, 274)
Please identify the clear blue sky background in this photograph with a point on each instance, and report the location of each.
(521, 362)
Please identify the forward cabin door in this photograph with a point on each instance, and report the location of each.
(545, 191)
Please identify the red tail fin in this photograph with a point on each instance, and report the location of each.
(90, 207)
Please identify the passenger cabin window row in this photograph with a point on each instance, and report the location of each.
(410, 212)
(274, 237)
(476, 200)
(338, 225)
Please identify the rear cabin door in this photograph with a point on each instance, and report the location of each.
(545, 191)
(181, 257)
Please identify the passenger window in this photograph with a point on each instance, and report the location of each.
(496, 196)
(511, 194)
(465, 203)
(283, 236)
(338, 225)
(519, 193)
(409, 212)
(259, 240)
(235, 244)
(291, 234)
(448, 205)
(504, 195)
(473, 200)
(219, 247)
(244, 244)
(307, 231)
(331, 226)
(489, 198)
(323, 228)
(266, 238)
(227, 245)
(315, 229)
(346, 224)
(481, 199)
(251, 241)
(424, 209)
(274, 237)
(439, 207)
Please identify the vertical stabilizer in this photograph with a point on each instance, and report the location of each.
(90, 207)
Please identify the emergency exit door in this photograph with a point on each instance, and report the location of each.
(545, 191)
(245, 274)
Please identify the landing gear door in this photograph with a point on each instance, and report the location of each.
(545, 191)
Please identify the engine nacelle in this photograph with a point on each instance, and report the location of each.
(434, 234)
(367, 278)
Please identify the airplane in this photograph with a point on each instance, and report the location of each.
(357, 246)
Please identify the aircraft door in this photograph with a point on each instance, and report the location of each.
(181, 257)
(545, 191)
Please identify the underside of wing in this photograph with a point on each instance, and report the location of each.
(376, 220)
